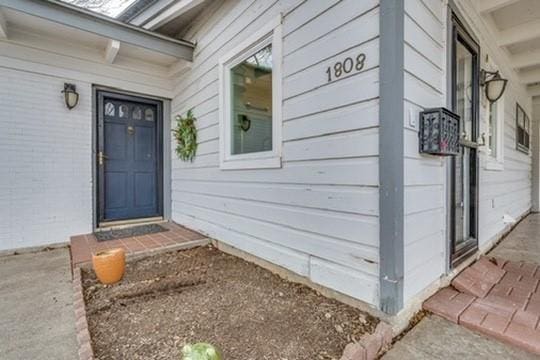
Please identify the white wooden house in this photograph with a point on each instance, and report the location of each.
(308, 119)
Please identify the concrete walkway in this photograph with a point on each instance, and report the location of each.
(523, 243)
(437, 338)
(37, 319)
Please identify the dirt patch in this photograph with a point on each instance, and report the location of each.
(203, 294)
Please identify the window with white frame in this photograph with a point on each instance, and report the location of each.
(494, 136)
(250, 102)
(523, 125)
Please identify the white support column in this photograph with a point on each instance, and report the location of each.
(536, 155)
(3, 26)
(113, 46)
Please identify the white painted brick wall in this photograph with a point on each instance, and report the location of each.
(45, 161)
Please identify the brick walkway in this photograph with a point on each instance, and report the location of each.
(496, 297)
(178, 237)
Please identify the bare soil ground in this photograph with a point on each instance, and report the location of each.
(203, 294)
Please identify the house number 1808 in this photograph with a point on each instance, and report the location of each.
(344, 67)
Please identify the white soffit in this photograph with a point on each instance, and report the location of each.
(516, 26)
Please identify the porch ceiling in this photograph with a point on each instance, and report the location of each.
(84, 28)
(516, 25)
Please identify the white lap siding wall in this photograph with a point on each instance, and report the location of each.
(317, 215)
(500, 192)
(424, 181)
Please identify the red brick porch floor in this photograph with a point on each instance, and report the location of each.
(497, 298)
(178, 237)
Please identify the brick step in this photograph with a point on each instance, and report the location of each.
(497, 298)
(479, 278)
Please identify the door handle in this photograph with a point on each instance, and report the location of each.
(469, 143)
(464, 141)
(101, 158)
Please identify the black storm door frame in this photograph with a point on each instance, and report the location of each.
(464, 177)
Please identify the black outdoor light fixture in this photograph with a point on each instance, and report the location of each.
(71, 96)
(494, 84)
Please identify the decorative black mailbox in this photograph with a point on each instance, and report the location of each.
(439, 132)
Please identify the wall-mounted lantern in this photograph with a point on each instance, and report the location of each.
(71, 96)
(494, 84)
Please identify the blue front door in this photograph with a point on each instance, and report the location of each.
(128, 158)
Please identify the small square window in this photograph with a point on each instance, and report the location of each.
(250, 102)
(522, 130)
(494, 135)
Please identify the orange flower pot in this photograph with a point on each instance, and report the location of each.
(109, 265)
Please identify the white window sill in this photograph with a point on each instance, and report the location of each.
(244, 164)
(493, 165)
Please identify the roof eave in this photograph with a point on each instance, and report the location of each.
(85, 20)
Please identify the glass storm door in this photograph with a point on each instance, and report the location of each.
(464, 178)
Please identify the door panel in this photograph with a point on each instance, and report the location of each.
(116, 185)
(129, 157)
(464, 179)
(144, 189)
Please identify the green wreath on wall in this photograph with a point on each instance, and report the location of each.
(185, 134)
